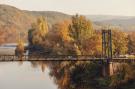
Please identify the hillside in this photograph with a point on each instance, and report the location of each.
(14, 21)
(51, 16)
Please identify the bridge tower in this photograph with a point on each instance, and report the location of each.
(107, 44)
(106, 50)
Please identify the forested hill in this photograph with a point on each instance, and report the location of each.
(51, 16)
(14, 21)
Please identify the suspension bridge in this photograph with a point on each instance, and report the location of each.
(110, 63)
(107, 55)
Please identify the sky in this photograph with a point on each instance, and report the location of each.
(86, 7)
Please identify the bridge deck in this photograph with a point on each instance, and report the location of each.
(62, 58)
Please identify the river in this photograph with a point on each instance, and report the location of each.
(15, 75)
(23, 75)
(9, 48)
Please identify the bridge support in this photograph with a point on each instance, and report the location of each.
(106, 69)
(111, 68)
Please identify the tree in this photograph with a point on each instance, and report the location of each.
(62, 31)
(20, 48)
(38, 31)
(93, 45)
(131, 43)
(80, 29)
(83, 34)
(60, 37)
(120, 42)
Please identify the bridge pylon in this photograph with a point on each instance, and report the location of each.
(107, 44)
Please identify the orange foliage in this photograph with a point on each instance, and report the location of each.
(62, 30)
(93, 45)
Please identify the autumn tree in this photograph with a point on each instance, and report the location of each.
(82, 31)
(20, 48)
(120, 42)
(131, 43)
(62, 31)
(63, 43)
(93, 45)
(38, 31)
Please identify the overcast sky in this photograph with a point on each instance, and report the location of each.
(96, 7)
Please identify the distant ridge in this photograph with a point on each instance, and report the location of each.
(127, 23)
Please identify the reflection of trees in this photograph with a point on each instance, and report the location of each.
(42, 65)
(87, 75)
(75, 75)
(123, 77)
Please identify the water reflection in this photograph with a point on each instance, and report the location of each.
(72, 74)
(46, 75)
(63, 75)
(88, 75)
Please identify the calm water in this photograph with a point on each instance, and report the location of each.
(15, 75)
(9, 48)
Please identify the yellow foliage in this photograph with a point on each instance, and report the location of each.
(20, 44)
(81, 29)
(42, 26)
(40, 30)
(63, 30)
(93, 45)
(120, 42)
(20, 48)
